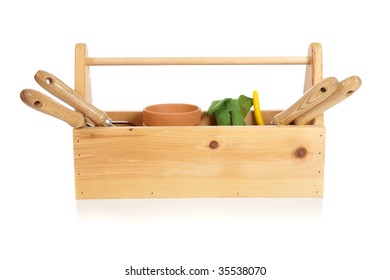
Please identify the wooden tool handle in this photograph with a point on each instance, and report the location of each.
(311, 98)
(345, 89)
(45, 104)
(63, 92)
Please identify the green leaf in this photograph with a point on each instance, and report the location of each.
(216, 105)
(245, 104)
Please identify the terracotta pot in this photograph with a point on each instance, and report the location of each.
(172, 114)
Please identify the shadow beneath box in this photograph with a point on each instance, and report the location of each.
(201, 209)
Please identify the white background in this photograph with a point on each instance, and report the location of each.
(47, 234)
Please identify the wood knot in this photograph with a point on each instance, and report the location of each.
(213, 144)
(300, 152)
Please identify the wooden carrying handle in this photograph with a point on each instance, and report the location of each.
(46, 105)
(311, 98)
(63, 92)
(283, 60)
(345, 89)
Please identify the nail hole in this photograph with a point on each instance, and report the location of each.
(350, 92)
(317, 191)
(151, 193)
(82, 192)
(49, 80)
(323, 89)
(37, 103)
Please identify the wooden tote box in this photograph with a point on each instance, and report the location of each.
(198, 161)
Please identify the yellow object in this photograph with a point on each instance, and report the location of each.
(256, 108)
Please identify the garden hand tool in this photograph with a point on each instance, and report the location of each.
(312, 97)
(63, 92)
(345, 89)
(47, 105)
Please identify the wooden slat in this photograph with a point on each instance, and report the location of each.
(82, 73)
(197, 60)
(135, 118)
(243, 161)
(314, 73)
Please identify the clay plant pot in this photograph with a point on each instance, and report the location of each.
(172, 114)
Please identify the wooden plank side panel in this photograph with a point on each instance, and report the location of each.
(205, 161)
